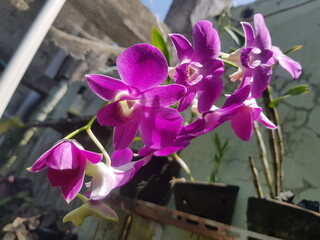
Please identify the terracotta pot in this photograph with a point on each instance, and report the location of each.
(282, 220)
(214, 201)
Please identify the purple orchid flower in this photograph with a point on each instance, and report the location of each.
(105, 179)
(205, 123)
(243, 110)
(257, 57)
(66, 162)
(137, 102)
(199, 70)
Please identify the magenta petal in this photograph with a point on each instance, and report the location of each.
(263, 39)
(266, 122)
(293, 67)
(249, 34)
(121, 157)
(105, 87)
(238, 97)
(123, 135)
(159, 127)
(71, 188)
(41, 162)
(208, 92)
(125, 173)
(242, 124)
(182, 46)
(162, 96)
(92, 156)
(206, 41)
(186, 101)
(181, 75)
(261, 79)
(116, 114)
(61, 177)
(193, 127)
(64, 156)
(142, 66)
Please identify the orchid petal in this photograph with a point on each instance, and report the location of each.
(154, 129)
(91, 208)
(64, 156)
(238, 97)
(142, 66)
(106, 87)
(193, 127)
(60, 177)
(181, 75)
(208, 92)
(293, 67)
(117, 113)
(262, 75)
(249, 34)
(265, 121)
(162, 96)
(263, 39)
(92, 156)
(123, 135)
(121, 157)
(41, 162)
(103, 180)
(186, 101)
(71, 187)
(182, 45)
(206, 41)
(242, 125)
(125, 173)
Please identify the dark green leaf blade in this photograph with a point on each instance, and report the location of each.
(158, 41)
(293, 49)
(296, 90)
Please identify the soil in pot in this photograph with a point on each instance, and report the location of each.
(214, 201)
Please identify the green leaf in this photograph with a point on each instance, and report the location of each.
(6, 124)
(293, 49)
(237, 36)
(296, 90)
(158, 41)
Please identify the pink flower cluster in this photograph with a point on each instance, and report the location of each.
(140, 103)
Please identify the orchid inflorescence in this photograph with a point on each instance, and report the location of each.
(140, 102)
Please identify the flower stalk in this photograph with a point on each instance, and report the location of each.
(255, 175)
(184, 166)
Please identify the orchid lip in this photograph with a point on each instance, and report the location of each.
(194, 76)
(127, 106)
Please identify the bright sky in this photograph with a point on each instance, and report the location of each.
(161, 7)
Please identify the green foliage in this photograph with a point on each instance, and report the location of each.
(221, 149)
(6, 124)
(293, 49)
(296, 90)
(237, 36)
(158, 41)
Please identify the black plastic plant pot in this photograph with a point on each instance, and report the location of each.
(152, 182)
(282, 220)
(214, 201)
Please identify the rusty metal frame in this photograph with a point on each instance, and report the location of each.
(201, 226)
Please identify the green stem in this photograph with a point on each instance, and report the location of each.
(76, 132)
(99, 145)
(184, 166)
